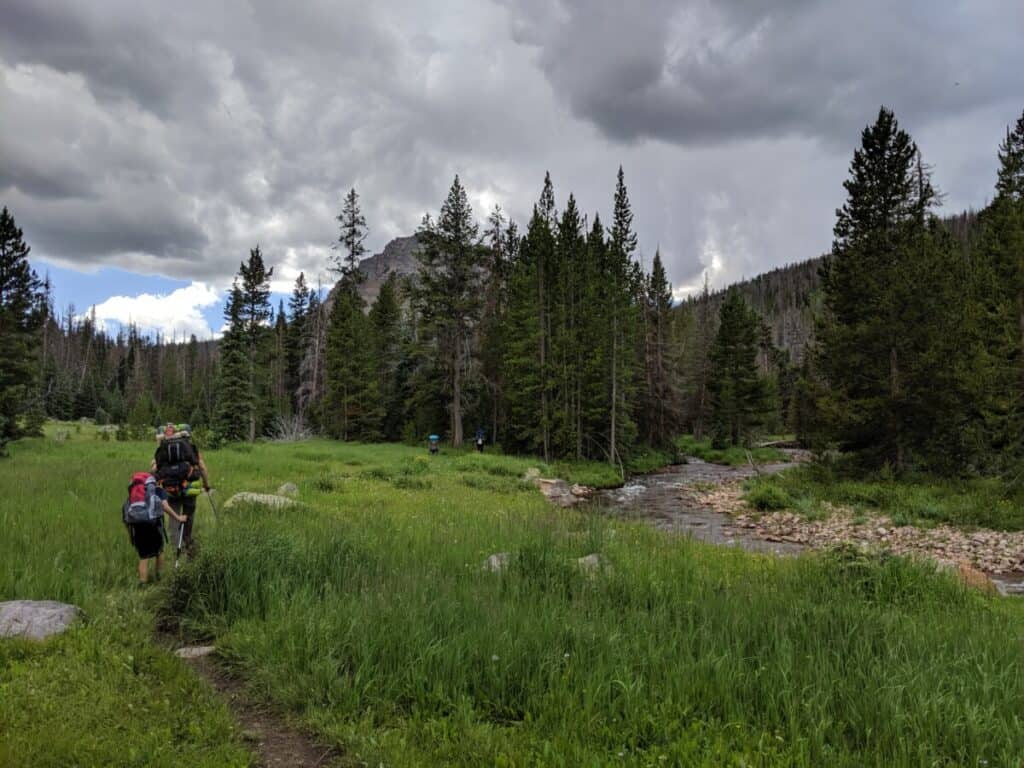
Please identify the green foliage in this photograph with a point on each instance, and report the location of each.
(22, 312)
(768, 498)
(449, 296)
(739, 395)
(920, 499)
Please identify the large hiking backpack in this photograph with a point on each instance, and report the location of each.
(143, 504)
(176, 462)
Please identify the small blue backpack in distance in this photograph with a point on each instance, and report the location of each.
(143, 504)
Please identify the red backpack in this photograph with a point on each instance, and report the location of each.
(142, 505)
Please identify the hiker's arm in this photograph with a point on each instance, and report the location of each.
(170, 511)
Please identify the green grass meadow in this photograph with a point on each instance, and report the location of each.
(365, 613)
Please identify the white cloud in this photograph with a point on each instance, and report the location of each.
(177, 314)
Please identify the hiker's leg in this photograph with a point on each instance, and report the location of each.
(143, 570)
(188, 508)
(159, 564)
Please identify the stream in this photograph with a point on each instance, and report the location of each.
(660, 500)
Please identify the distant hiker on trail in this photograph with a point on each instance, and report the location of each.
(432, 443)
(480, 439)
(179, 468)
(143, 514)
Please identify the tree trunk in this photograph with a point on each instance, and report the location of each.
(894, 390)
(615, 391)
(457, 395)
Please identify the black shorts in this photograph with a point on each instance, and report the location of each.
(148, 539)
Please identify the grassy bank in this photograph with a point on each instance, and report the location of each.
(366, 613)
(976, 502)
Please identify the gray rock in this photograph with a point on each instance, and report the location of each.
(531, 475)
(262, 499)
(194, 651)
(557, 492)
(291, 490)
(593, 563)
(36, 619)
(497, 562)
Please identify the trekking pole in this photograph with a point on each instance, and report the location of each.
(181, 538)
(213, 506)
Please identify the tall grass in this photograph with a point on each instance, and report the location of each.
(370, 613)
(922, 500)
(366, 612)
(103, 693)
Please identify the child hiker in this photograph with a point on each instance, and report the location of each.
(143, 514)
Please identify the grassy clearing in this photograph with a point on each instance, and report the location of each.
(924, 501)
(733, 456)
(367, 613)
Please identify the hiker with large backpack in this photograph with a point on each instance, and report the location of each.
(143, 514)
(179, 470)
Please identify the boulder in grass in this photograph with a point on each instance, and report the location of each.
(268, 500)
(593, 563)
(497, 562)
(36, 619)
(291, 490)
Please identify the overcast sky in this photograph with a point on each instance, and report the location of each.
(169, 138)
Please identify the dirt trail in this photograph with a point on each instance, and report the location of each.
(274, 742)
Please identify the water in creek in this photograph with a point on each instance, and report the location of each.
(661, 500)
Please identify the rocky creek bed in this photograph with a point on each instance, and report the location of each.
(705, 501)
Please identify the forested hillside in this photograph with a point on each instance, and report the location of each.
(904, 345)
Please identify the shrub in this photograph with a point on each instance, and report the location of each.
(768, 498)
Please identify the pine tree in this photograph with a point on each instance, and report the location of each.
(386, 333)
(449, 296)
(22, 315)
(298, 307)
(739, 399)
(998, 278)
(352, 407)
(661, 403)
(503, 240)
(234, 393)
(890, 306)
(623, 275)
(255, 313)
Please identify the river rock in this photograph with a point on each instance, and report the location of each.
(36, 619)
(581, 491)
(268, 500)
(291, 490)
(557, 491)
(497, 562)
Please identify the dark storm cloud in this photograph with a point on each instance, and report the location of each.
(171, 138)
(704, 72)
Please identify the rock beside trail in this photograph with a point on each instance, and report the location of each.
(36, 619)
(531, 475)
(497, 562)
(194, 651)
(291, 490)
(268, 500)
